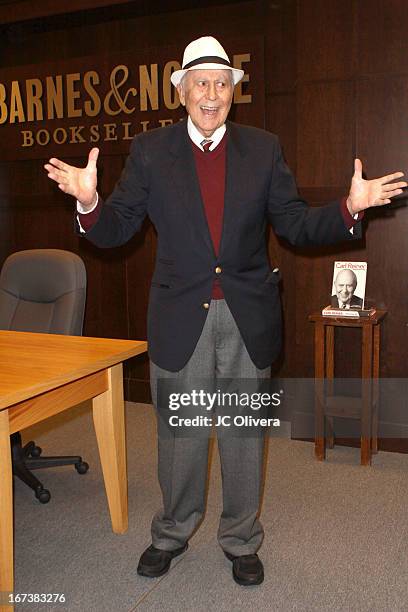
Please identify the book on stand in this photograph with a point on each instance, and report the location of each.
(330, 311)
(348, 290)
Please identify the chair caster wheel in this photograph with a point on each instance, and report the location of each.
(35, 451)
(43, 496)
(82, 467)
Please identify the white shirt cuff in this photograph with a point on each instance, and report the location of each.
(81, 210)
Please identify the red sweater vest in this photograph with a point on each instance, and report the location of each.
(211, 167)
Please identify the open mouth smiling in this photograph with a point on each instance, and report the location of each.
(209, 110)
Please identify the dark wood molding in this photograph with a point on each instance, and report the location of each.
(23, 10)
(15, 11)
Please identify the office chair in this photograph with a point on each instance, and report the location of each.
(42, 290)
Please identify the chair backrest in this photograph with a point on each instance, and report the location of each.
(43, 290)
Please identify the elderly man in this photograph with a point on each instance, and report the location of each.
(345, 284)
(210, 187)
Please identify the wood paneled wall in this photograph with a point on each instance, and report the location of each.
(351, 101)
(336, 86)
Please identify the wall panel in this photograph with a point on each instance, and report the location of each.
(325, 121)
(279, 21)
(382, 40)
(381, 117)
(325, 39)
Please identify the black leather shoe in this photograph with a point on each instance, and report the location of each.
(155, 562)
(247, 570)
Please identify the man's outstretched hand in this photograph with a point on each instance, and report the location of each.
(364, 194)
(78, 182)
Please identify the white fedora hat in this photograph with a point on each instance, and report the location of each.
(203, 54)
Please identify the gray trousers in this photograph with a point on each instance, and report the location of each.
(183, 461)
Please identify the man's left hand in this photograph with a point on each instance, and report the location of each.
(364, 194)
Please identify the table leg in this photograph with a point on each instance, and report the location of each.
(366, 384)
(376, 394)
(6, 512)
(109, 421)
(330, 377)
(320, 443)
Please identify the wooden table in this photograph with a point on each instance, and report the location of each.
(43, 374)
(364, 408)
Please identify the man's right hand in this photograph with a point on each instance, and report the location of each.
(78, 182)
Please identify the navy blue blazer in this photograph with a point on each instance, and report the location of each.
(160, 180)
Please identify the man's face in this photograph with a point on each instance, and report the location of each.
(207, 96)
(345, 285)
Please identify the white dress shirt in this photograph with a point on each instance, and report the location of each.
(197, 137)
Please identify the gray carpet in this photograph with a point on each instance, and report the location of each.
(336, 534)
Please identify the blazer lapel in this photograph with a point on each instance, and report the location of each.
(235, 173)
(185, 177)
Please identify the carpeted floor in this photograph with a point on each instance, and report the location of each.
(336, 533)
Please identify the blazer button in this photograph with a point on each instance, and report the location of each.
(218, 270)
(206, 305)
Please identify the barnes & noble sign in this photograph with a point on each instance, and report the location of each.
(66, 108)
